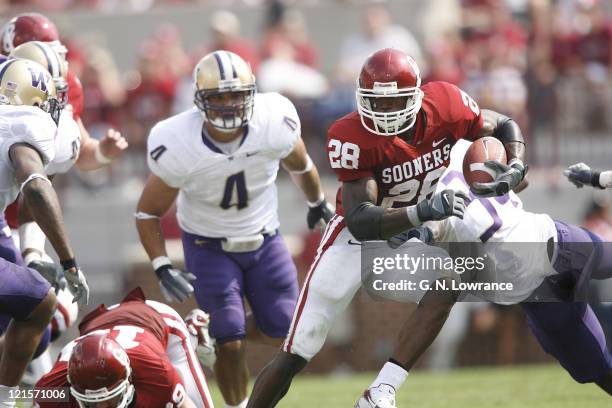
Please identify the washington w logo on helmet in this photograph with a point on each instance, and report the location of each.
(39, 79)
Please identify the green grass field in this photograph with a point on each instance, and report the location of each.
(546, 386)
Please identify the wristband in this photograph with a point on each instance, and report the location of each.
(605, 179)
(32, 256)
(413, 215)
(315, 204)
(595, 179)
(160, 261)
(69, 263)
(100, 157)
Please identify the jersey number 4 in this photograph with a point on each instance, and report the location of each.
(235, 193)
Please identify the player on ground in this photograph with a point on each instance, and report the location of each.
(580, 175)
(564, 325)
(221, 159)
(29, 113)
(389, 156)
(138, 353)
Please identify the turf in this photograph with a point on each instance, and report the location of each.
(515, 387)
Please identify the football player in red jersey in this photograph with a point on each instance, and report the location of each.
(138, 353)
(388, 156)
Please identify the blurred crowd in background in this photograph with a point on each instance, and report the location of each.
(545, 63)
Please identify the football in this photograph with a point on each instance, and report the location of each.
(481, 151)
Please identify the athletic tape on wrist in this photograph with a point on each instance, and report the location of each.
(160, 261)
(314, 204)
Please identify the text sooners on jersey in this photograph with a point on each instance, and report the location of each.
(405, 172)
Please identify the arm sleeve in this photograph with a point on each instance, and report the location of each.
(288, 127)
(164, 160)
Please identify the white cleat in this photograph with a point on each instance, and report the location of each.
(382, 396)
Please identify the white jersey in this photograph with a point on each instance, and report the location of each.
(23, 124)
(225, 195)
(500, 220)
(67, 144)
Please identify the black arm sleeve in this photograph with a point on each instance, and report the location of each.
(363, 221)
(507, 131)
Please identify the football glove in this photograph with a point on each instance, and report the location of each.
(442, 205)
(507, 177)
(174, 283)
(423, 234)
(77, 285)
(197, 322)
(580, 174)
(51, 271)
(320, 214)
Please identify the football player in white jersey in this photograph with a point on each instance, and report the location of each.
(74, 148)
(221, 158)
(549, 264)
(580, 175)
(29, 113)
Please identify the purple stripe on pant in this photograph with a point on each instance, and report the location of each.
(568, 330)
(266, 277)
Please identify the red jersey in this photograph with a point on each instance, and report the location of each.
(141, 331)
(75, 94)
(405, 173)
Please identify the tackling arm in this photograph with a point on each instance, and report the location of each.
(367, 221)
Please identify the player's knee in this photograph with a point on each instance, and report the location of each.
(231, 349)
(276, 326)
(42, 314)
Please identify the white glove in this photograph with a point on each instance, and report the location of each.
(197, 322)
(77, 285)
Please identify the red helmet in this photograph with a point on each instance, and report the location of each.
(28, 27)
(99, 370)
(388, 92)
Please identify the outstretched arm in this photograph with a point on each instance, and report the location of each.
(367, 221)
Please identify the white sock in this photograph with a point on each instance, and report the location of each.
(5, 394)
(243, 404)
(391, 374)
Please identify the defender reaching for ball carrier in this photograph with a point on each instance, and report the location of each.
(389, 156)
(221, 159)
(580, 175)
(550, 259)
